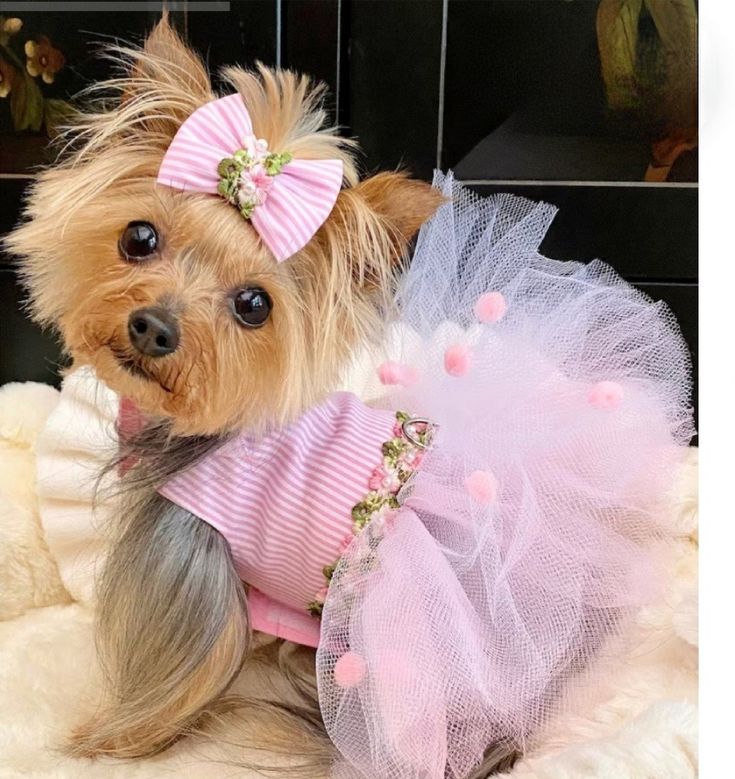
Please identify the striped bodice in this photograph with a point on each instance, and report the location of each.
(285, 503)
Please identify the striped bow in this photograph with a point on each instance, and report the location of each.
(287, 200)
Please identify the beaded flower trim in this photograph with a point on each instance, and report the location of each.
(246, 177)
(402, 456)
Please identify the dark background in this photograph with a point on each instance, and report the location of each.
(508, 93)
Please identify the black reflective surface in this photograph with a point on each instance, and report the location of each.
(509, 93)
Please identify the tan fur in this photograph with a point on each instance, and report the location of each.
(168, 664)
(221, 378)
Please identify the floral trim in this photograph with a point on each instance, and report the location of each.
(246, 177)
(401, 458)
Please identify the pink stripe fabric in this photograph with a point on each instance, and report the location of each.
(300, 198)
(284, 503)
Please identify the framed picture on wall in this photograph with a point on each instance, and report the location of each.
(46, 58)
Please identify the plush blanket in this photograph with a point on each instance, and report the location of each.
(640, 722)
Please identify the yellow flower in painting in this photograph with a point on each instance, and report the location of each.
(12, 25)
(44, 60)
(7, 76)
(8, 28)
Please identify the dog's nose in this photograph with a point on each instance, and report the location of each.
(153, 331)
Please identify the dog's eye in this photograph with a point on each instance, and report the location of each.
(252, 306)
(138, 241)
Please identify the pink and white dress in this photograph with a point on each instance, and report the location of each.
(461, 565)
(291, 502)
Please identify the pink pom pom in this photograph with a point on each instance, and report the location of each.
(457, 360)
(349, 670)
(482, 486)
(397, 373)
(491, 307)
(389, 373)
(606, 394)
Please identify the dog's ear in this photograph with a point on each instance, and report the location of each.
(167, 68)
(402, 203)
(373, 223)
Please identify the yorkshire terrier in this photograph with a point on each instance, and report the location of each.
(178, 307)
(502, 535)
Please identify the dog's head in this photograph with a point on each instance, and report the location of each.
(172, 296)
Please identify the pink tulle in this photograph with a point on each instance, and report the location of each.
(527, 538)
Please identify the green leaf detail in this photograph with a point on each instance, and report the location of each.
(315, 609)
(373, 501)
(26, 104)
(274, 163)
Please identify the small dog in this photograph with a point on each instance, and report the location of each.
(454, 570)
(105, 250)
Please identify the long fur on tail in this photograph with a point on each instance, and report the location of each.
(172, 631)
(172, 635)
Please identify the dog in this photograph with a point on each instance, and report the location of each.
(223, 326)
(103, 248)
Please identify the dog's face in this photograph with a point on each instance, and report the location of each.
(171, 296)
(176, 304)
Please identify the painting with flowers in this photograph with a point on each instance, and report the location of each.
(46, 60)
(30, 112)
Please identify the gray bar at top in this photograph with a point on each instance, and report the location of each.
(59, 5)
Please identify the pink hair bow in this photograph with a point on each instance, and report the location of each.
(287, 200)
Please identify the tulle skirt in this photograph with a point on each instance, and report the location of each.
(558, 403)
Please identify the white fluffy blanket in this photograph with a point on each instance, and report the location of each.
(642, 724)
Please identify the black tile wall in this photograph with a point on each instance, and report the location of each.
(529, 74)
(11, 196)
(312, 43)
(535, 56)
(511, 70)
(241, 36)
(395, 57)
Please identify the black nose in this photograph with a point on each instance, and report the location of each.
(153, 331)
